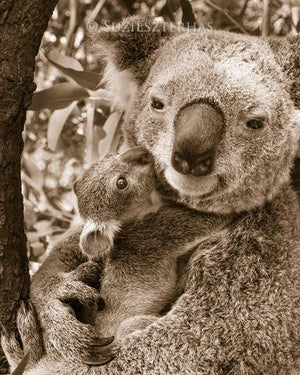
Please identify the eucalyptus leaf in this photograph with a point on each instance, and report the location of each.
(56, 124)
(58, 96)
(87, 79)
(110, 127)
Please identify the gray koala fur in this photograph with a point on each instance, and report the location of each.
(113, 205)
(139, 278)
(239, 312)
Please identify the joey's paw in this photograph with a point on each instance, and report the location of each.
(88, 273)
(72, 290)
(101, 352)
(81, 285)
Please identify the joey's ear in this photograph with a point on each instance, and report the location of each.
(287, 54)
(98, 239)
(92, 242)
(127, 50)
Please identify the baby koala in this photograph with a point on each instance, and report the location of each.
(112, 191)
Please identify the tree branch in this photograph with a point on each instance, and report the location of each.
(22, 26)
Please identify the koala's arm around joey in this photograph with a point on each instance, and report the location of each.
(66, 282)
(66, 277)
(175, 230)
(243, 309)
(233, 321)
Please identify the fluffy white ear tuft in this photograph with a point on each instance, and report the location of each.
(120, 84)
(126, 51)
(96, 240)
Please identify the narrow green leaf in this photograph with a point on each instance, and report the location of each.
(188, 16)
(64, 60)
(73, 21)
(101, 97)
(32, 170)
(56, 124)
(58, 96)
(87, 79)
(96, 10)
(89, 132)
(110, 128)
(115, 143)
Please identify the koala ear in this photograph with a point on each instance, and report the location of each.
(92, 242)
(94, 245)
(127, 49)
(97, 239)
(287, 54)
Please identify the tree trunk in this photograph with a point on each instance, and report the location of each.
(22, 24)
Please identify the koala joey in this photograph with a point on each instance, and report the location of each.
(114, 192)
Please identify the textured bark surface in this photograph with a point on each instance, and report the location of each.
(22, 24)
(296, 177)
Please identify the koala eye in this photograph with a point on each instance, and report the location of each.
(157, 104)
(122, 183)
(255, 124)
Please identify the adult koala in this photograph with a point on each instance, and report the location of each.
(218, 112)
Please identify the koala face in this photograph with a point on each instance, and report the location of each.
(215, 111)
(218, 128)
(110, 188)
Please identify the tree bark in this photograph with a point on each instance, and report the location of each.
(22, 24)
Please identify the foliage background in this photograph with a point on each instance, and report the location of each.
(58, 144)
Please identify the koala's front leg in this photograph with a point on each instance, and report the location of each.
(63, 332)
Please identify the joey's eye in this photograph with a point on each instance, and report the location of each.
(255, 124)
(121, 183)
(157, 104)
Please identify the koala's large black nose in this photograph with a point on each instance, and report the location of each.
(196, 165)
(198, 128)
(137, 154)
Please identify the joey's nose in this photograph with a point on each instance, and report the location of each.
(137, 154)
(196, 165)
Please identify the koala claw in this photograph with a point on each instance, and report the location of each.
(101, 341)
(100, 356)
